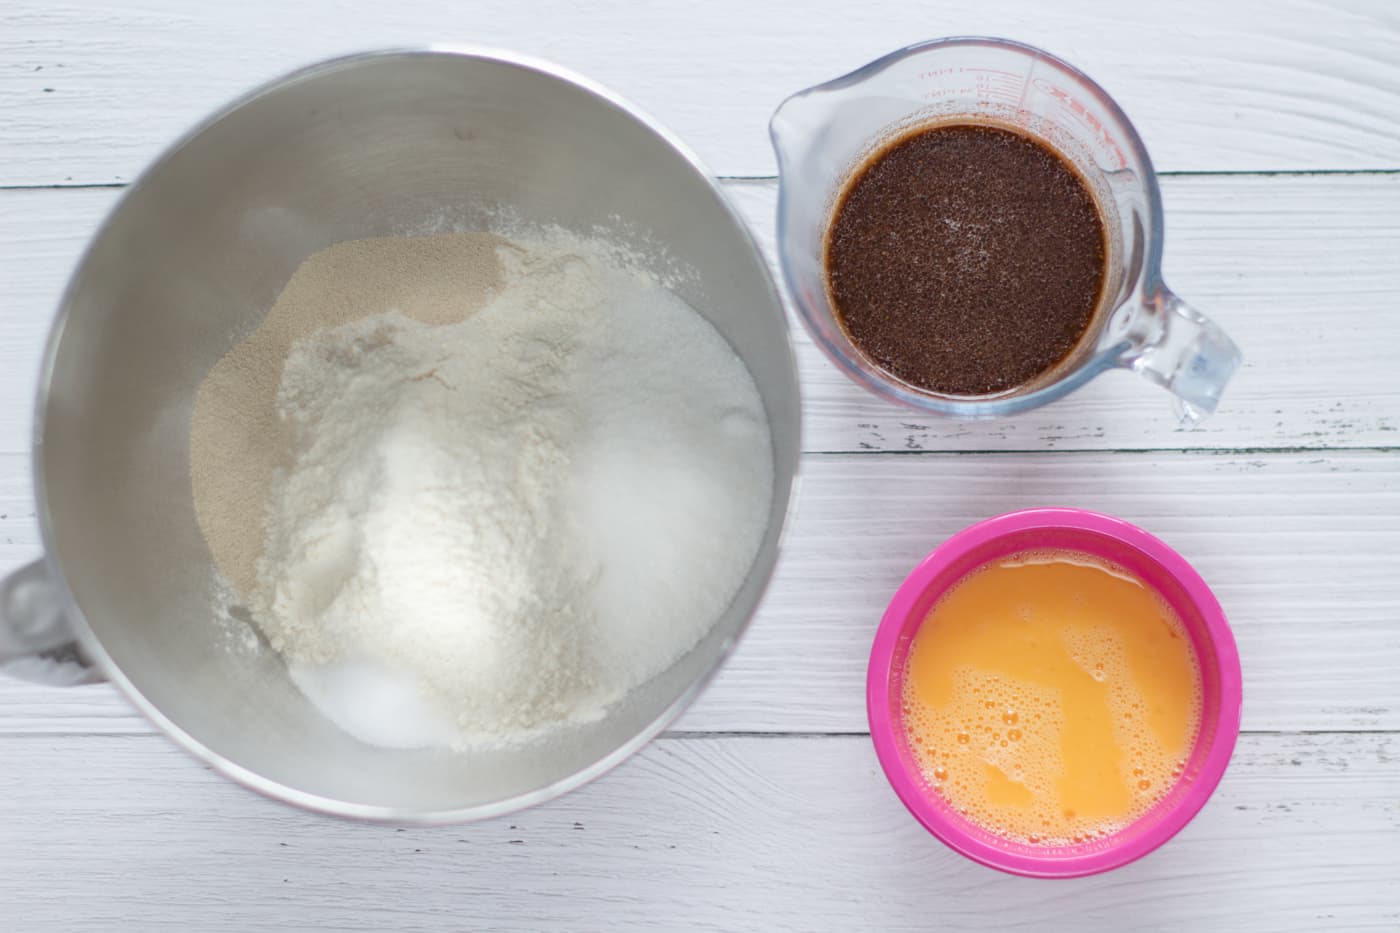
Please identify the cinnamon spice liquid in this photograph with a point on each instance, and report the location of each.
(966, 259)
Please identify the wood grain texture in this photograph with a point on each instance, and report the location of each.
(109, 827)
(1300, 550)
(1301, 270)
(91, 90)
(720, 834)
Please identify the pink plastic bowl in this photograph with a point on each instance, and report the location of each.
(1129, 547)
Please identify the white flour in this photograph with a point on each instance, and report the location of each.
(494, 526)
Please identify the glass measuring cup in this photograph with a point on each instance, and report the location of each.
(823, 134)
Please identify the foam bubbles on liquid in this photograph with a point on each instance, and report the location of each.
(993, 746)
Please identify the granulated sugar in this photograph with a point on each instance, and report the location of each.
(513, 494)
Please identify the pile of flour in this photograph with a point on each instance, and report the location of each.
(485, 523)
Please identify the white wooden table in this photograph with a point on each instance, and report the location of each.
(1276, 126)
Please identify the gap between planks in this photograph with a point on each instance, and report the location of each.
(680, 735)
(1126, 451)
(683, 734)
(770, 179)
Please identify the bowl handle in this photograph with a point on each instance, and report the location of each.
(36, 640)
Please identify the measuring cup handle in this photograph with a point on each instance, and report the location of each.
(36, 641)
(1187, 354)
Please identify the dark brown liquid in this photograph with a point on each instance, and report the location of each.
(966, 259)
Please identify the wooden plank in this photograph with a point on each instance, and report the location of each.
(701, 834)
(1257, 85)
(42, 236)
(1299, 549)
(1300, 269)
(1300, 552)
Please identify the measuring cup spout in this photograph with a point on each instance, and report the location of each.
(1187, 354)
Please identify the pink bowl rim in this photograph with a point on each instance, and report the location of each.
(884, 729)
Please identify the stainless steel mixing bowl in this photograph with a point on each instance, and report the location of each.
(187, 264)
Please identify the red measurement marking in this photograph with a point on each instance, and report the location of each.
(1086, 117)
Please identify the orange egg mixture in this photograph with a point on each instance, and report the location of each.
(1051, 697)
